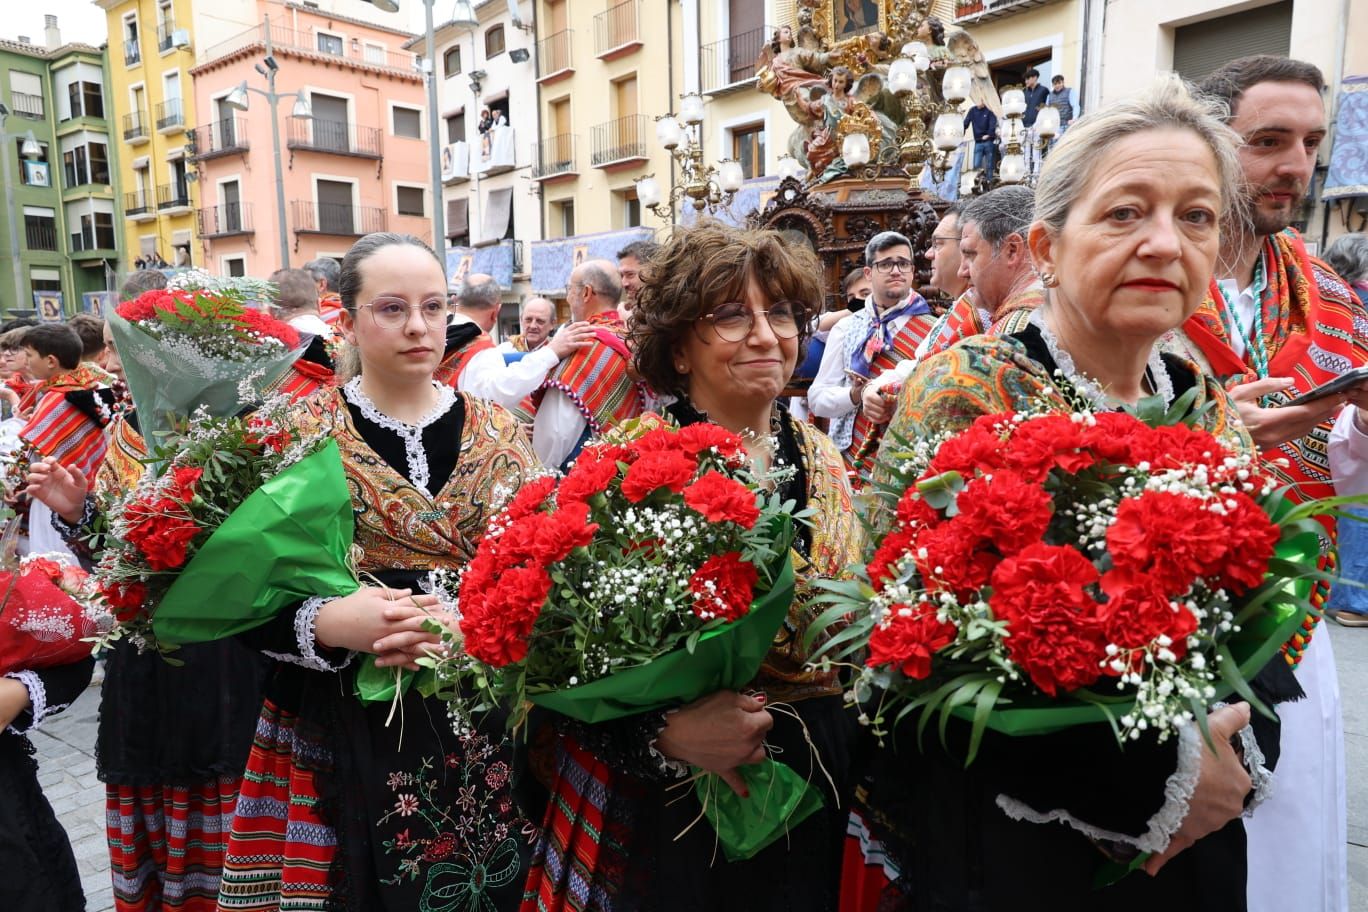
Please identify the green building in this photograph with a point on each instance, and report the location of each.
(59, 239)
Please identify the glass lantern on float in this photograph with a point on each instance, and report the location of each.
(1013, 169)
(1046, 129)
(790, 167)
(956, 83)
(855, 150)
(707, 187)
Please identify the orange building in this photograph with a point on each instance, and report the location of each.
(352, 141)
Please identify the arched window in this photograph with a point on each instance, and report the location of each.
(494, 41)
(451, 61)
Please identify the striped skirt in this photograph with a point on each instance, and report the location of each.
(280, 851)
(166, 844)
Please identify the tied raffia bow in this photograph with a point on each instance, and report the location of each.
(880, 336)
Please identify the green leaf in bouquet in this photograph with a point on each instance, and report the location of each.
(940, 491)
(289, 541)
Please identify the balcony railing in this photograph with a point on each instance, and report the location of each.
(618, 27)
(165, 32)
(619, 140)
(171, 196)
(338, 137)
(553, 156)
(338, 219)
(136, 203)
(731, 62)
(306, 41)
(26, 105)
(134, 126)
(132, 53)
(169, 114)
(225, 220)
(221, 137)
(553, 54)
(40, 235)
(988, 10)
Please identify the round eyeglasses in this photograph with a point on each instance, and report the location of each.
(886, 267)
(392, 313)
(734, 322)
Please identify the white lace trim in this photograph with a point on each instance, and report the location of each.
(1161, 827)
(37, 698)
(1089, 388)
(1260, 776)
(306, 640)
(411, 434)
(675, 769)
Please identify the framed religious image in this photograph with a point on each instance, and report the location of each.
(849, 18)
(49, 306)
(36, 174)
(97, 302)
(580, 255)
(462, 268)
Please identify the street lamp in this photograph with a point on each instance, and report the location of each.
(709, 187)
(30, 149)
(239, 99)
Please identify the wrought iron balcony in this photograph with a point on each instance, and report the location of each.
(618, 141)
(169, 114)
(173, 196)
(553, 54)
(221, 137)
(134, 127)
(337, 219)
(617, 30)
(136, 203)
(132, 53)
(225, 220)
(40, 234)
(554, 157)
(988, 10)
(165, 32)
(729, 64)
(336, 137)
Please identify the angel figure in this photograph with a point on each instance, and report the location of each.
(794, 77)
(966, 53)
(781, 42)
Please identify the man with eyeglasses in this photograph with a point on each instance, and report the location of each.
(944, 256)
(870, 341)
(593, 389)
(473, 364)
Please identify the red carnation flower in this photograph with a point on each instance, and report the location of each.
(1250, 540)
(655, 470)
(1005, 510)
(722, 499)
(723, 587)
(699, 438)
(957, 559)
(908, 639)
(978, 448)
(1041, 444)
(1138, 612)
(184, 481)
(586, 479)
(125, 599)
(1054, 631)
(1175, 446)
(1114, 436)
(497, 622)
(529, 498)
(882, 566)
(1173, 538)
(913, 510)
(563, 531)
(265, 325)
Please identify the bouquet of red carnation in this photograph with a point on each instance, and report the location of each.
(1050, 570)
(655, 572)
(187, 349)
(237, 518)
(49, 615)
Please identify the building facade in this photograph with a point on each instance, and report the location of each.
(357, 163)
(61, 178)
(487, 106)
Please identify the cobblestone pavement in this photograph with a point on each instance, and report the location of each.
(66, 757)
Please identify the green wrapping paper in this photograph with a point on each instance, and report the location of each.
(1259, 640)
(724, 659)
(288, 541)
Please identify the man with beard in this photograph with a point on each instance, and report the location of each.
(1279, 322)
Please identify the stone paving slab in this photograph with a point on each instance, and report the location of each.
(66, 757)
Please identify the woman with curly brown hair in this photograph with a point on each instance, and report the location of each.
(721, 317)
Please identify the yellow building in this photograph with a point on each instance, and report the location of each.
(150, 54)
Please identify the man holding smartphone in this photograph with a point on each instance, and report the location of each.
(870, 341)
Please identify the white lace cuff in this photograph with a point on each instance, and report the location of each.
(306, 642)
(1260, 776)
(37, 699)
(1161, 827)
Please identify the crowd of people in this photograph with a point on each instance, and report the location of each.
(1153, 257)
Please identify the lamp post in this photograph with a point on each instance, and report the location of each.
(463, 16)
(709, 187)
(30, 149)
(239, 99)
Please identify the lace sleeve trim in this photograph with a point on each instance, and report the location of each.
(306, 642)
(668, 766)
(1178, 791)
(77, 530)
(37, 699)
(1261, 778)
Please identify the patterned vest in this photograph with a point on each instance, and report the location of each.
(597, 379)
(455, 362)
(865, 435)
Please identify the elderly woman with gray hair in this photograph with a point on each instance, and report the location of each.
(1126, 235)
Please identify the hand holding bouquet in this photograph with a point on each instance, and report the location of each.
(654, 573)
(1049, 570)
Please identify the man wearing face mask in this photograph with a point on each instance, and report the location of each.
(872, 340)
(592, 389)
